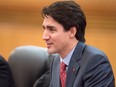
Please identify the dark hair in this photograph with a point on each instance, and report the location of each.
(68, 14)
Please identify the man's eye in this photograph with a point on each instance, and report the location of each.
(51, 29)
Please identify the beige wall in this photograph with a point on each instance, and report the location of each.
(20, 24)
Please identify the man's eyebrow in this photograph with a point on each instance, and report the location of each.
(48, 26)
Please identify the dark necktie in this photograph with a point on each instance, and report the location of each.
(63, 73)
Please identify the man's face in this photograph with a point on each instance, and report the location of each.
(57, 39)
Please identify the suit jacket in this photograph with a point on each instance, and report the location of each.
(88, 67)
(6, 79)
(43, 81)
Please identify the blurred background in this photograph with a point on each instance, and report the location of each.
(21, 24)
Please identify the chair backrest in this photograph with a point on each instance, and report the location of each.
(28, 63)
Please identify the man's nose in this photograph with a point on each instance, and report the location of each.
(45, 35)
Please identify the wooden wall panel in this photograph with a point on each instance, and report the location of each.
(21, 21)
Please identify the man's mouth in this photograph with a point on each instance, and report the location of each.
(48, 44)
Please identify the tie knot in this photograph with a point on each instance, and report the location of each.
(63, 66)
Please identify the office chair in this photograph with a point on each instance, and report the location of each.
(28, 64)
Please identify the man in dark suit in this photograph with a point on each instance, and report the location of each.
(6, 79)
(64, 30)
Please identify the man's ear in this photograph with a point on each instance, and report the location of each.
(73, 31)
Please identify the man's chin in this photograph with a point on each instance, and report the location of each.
(50, 51)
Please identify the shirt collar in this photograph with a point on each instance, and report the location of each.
(66, 60)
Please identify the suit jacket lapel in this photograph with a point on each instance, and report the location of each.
(73, 65)
(56, 78)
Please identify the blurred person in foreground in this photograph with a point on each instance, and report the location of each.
(64, 33)
(6, 79)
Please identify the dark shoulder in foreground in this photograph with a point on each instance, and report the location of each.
(6, 79)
